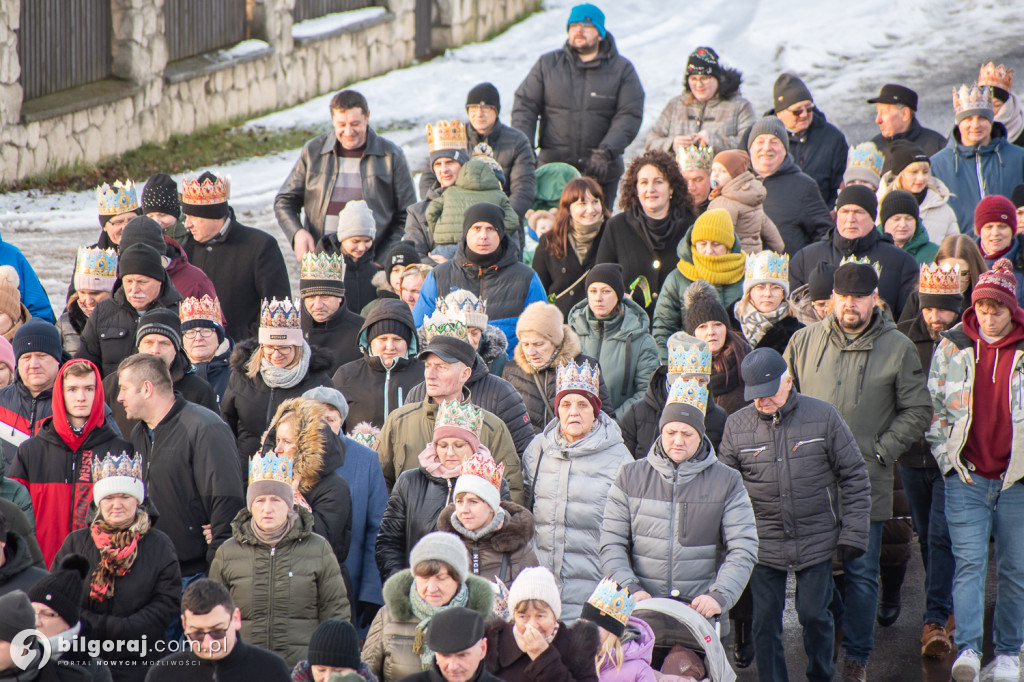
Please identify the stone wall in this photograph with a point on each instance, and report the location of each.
(148, 99)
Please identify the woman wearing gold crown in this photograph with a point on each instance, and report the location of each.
(764, 312)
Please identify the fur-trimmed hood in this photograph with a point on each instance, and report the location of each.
(728, 84)
(380, 281)
(569, 349)
(318, 451)
(516, 532)
(320, 361)
(396, 595)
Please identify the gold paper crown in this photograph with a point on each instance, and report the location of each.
(767, 266)
(366, 434)
(688, 392)
(270, 467)
(117, 465)
(446, 135)
(611, 601)
(972, 98)
(204, 308)
(117, 198)
(689, 360)
(468, 417)
(877, 267)
(866, 155)
(206, 192)
(483, 467)
(323, 266)
(440, 324)
(996, 76)
(694, 158)
(582, 377)
(96, 262)
(940, 280)
(283, 314)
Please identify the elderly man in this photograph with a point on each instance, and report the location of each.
(895, 116)
(456, 636)
(326, 321)
(788, 447)
(817, 146)
(859, 362)
(351, 162)
(589, 98)
(793, 201)
(855, 235)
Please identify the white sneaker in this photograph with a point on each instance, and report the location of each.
(1006, 669)
(967, 667)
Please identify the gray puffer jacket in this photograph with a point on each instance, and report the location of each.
(679, 530)
(569, 486)
(797, 465)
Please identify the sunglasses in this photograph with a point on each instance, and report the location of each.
(198, 636)
(801, 111)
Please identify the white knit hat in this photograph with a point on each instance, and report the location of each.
(535, 583)
(356, 220)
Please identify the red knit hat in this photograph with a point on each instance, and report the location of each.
(995, 209)
(998, 284)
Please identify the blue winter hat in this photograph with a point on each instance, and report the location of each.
(587, 14)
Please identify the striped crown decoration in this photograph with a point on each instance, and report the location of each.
(877, 267)
(366, 434)
(446, 135)
(611, 601)
(687, 361)
(118, 198)
(972, 98)
(283, 314)
(867, 156)
(322, 266)
(768, 266)
(996, 76)
(940, 280)
(694, 158)
(270, 467)
(688, 392)
(441, 324)
(125, 465)
(206, 192)
(468, 417)
(483, 467)
(204, 308)
(582, 377)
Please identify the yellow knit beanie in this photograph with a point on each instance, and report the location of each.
(716, 226)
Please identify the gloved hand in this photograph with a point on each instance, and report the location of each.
(847, 553)
(365, 612)
(597, 166)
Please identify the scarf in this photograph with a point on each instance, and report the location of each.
(756, 324)
(727, 269)
(62, 642)
(485, 261)
(283, 377)
(431, 463)
(475, 535)
(118, 548)
(656, 233)
(273, 537)
(424, 611)
(1011, 117)
(582, 237)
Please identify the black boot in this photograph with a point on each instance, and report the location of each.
(891, 581)
(743, 649)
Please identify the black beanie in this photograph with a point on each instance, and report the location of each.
(335, 644)
(163, 321)
(403, 253)
(161, 196)
(38, 336)
(484, 94)
(859, 195)
(141, 259)
(389, 326)
(1017, 196)
(62, 589)
(143, 230)
(484, 212)
(610, 274)
(704, 62)
(898, 202)
(819, 284)
(902, 153)
(702, 305)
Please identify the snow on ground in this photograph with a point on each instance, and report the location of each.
(843, 50)
(333, 22)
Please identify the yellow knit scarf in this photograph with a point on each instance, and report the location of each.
(726, 269)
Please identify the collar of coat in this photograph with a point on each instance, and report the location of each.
(396, 595)
(515, 533)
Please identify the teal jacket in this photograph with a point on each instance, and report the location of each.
(920, 247)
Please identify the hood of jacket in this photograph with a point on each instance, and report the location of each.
(1015, 335)
(569, 349)
(745, 189)
(516, 532)
(964, 151)
(687, 470)
(387, 309)
(632, 322)
(318, 451)
(97, 414)
(601, 439)
(936, 195)
(16, 556)
(241, 528)
(641, 647)
(685, 248)
(477, 175)
(728, 85)
(396, 595)
(381, 283)
(607, 51)
(493, 343)
(657, 391)
(320, 361)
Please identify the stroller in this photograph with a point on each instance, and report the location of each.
(674, 622)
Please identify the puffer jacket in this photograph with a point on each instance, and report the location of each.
(820, 152)
(624, 348)
(514, 153)
(726, 117)
(21, 415)
(877, 384)
(538, 387)
(806, 480)
(581, 106)
(569, 485)
(742, 197)
(935, 212)
(569, 657)
(637, 649)
(386, 184)
(794, 204)
(249, 403)
(972, 173)
(338, 334)
(640, 425)
(70, 325)
(475, 182)
(285, 591)
(503, 553)
(388, 649)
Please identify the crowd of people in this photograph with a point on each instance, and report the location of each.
(500, 418)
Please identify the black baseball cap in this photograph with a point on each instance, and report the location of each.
(449, 349)
(891, 93)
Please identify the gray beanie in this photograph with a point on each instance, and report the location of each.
(769, 125)
(445, 547)
(331, 397)
(356, 220)
(17, 614)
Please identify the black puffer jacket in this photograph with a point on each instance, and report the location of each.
(795, 205)
(514, 153)
(820, 152)
(249, 404)
(796, 466)
(538, 387)
(339, 335)
(640, 427)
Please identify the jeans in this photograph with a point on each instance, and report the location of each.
(813, 594)
(861, 598)
(974, 513)
(926, 495)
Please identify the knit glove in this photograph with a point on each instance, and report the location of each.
(847, 553)
(598, 165)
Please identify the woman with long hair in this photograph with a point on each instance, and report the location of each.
(962, 250)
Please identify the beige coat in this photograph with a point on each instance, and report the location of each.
(936, 213)
(742, 197)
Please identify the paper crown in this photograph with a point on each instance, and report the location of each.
(466, 307)
(867, 156)
(972, 98)
(323, 266)
(996, 76)
(694, 158)
(206, 192)
(124, 465)
(468, 417)
(440, 324)
(117, 198)
(767, 266)
(688, 392)
(95, 269)
(686, 361)
(940, 280)
(583, 377)
(270, 467)
(204, 308)
(611, 601)
(483, 149)
(366, 434)
(446, 135)
(283, 314)
(877, 267)
(483, 467)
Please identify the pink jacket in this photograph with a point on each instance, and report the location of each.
(636, 658)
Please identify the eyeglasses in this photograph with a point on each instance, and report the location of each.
(202, 332)
(277, 350)
(121, 220)
(702, 79)
(801, 111)
(216, 634)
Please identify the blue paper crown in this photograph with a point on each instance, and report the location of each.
(767, 266)
(688, 392)
(611, 601)
(283, 314)
(117, 198)
(270, 467)
(582, 377)
(866, 155)
(689, 360)
(97, 262)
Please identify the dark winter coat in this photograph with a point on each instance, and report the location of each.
(820, 152)
(795, 205)
(217, 371)
(245, 663)
(246, 266)
(18, 572)
(504, 552)
(565, 277)
(777, 337)
(363, 474)
(640, 425)
(386, 184)
(303, 672)
(416, 230)
(434, 675)
(726, 386)
(22, 523)
(249, 404)
(493, 349)
(919, 455)
(70, 325)
(581, 106)
(359, 273)
(21, 415)
(538, 387)
(569, 657)
(899, 271)
(145, 600)
(192, 477)
(514, 153)
(725, 117)
(805, 478)
(930, 141)
(190, 281)
(339, 335)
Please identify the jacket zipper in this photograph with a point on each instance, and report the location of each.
(831, 506)
(977, 172)
(808, 442)
(387, 383)
(672, 532)
(270, 601)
